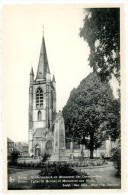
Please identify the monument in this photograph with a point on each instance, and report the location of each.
(59, 149)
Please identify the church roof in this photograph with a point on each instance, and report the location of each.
(39, 132)
(43, 66)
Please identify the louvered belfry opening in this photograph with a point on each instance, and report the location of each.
(39, 98)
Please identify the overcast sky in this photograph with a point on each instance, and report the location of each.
(67, 55)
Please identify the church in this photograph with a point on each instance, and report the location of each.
(46, 133)
(42, 107)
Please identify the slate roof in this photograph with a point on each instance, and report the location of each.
(39, 132)
(9, 140)
(43, 66)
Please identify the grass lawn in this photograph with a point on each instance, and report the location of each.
(100, 178)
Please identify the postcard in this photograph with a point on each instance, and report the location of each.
(63, 97)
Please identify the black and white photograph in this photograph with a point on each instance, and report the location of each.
(62, 96)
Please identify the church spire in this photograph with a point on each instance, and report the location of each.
(31, 75)
(53, 79)
(43, 66)
(32, 72)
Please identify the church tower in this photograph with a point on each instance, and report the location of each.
(42, 107)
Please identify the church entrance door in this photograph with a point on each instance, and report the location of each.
(37, 151)
(49, 147)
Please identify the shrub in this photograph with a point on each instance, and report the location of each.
(45, 156)
(14, 157)
(102, 154)
(57, 169)
(116, 158)
(85, 162)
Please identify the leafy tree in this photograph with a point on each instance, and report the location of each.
(101, 30)
(91, 113)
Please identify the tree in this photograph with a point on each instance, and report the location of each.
(101, 30)
(90, 113)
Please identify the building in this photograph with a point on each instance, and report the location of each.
(25, 150)
(42, 107)
(22, 148)
(10, 146)
(18, 147)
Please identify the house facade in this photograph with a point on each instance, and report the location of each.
(10, 146)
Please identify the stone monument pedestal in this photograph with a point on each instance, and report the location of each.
(59, 155)
(59, 150)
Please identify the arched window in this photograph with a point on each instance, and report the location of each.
(39, 115)
(39, 98)
(49, 147)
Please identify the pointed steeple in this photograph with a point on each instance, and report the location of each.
(53, 79)
(43, 65)
(32, 75)
(32, 72)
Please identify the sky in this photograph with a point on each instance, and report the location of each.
(67, 56)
